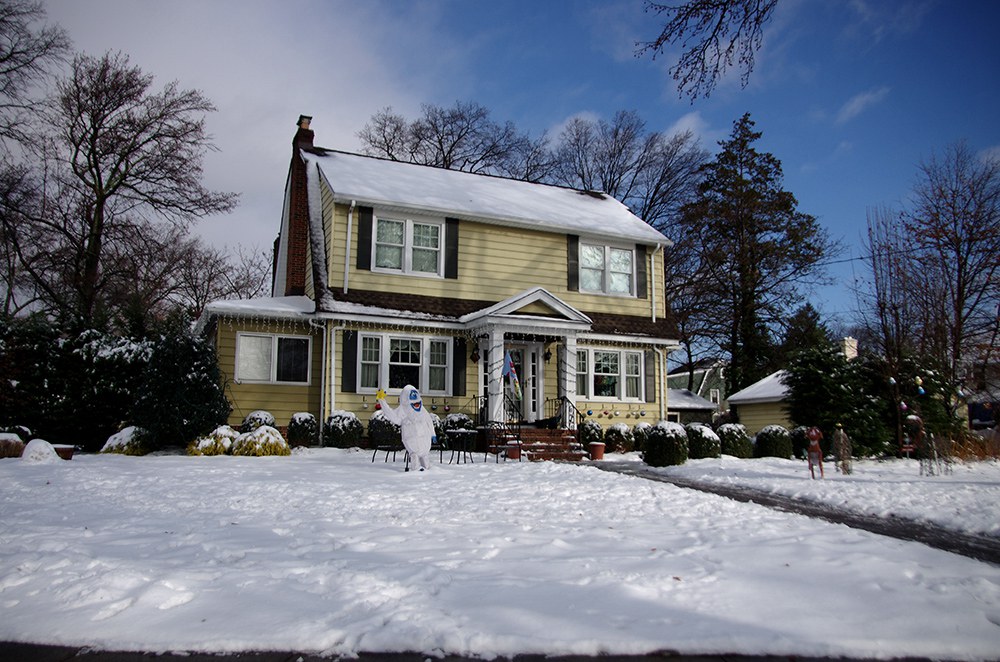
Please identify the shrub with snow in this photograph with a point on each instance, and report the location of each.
(458, 422)
(10, 445)
(773, 441)
(129, 441)
(382, 431)
(590, 430)
(264, 440)
(343, 430)
(619, 439)
(217, 443)
(303, 430)
(256, 419)
(39, 451)
(639, 435)
(666, 445)
(702, 441)
(735, 440)
(800, 441)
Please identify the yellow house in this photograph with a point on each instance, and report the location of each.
(389, 273)
(762, 404)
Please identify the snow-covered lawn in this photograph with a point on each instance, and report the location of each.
(325, 551)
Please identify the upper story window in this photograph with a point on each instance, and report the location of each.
(408, 246)
(269, 358)
(607, 269)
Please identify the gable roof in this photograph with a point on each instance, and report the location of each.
(378, 182)
(683, 399)
(770, 389)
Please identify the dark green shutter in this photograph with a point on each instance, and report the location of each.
(458, 367)
(572, 263)
(349, 365)
(640, 271)
(651, 365)
(365, 238)
(451, 248)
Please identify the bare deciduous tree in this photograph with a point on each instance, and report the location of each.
(715, 35)
(117, 156)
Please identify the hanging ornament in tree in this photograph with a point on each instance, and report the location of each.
(892, 381)
(920, 390)
(902, 405)
(918, 381)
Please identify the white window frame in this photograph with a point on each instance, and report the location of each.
(385, 344)
(409, 222)
(606, 270)
(622, 374)
(273, 368)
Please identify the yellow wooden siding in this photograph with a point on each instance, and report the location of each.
(755, 417)
(494, 262)
(281, 400)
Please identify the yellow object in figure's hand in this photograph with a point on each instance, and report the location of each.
(380, 395)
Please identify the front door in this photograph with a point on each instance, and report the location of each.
(527, 362)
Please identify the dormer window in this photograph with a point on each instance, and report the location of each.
(408, 246)
(607, 269)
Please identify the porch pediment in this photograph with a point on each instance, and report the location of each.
(536, 304)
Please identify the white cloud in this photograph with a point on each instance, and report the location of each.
(860, 103)
(990, 154)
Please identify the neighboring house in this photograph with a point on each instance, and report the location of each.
(762, 404)
(709, 380)
(689, 407)
(389, 273)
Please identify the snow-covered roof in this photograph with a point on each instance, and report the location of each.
(681, 398)
(769, 389)
(379, 182)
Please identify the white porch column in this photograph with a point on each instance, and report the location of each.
(495, 375)
(567, 384)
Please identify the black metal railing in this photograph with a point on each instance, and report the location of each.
(563, 413)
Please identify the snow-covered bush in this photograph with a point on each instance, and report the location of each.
(773, 441)
(264, 440)
(217, 443)
(39, 451)
(19, 431)
(800, 441)
(702, 441)
(590, 430)
(382, 431)
(735, 440)
(10, 445)
(666, 445)
(458, 422)
(303, 430)
(343, 430)
(639, 435)
(129, 441)
(619, 439)
(256, 419)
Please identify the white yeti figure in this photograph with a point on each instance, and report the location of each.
(415, 422)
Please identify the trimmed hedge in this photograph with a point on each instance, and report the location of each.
(303, 430)
(265, 440)
(773, 441)
(343, 429)
(619, 439)
(735, 440)
(702, 441)
(666, 445)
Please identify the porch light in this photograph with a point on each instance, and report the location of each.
(547, 356)
(474, 357)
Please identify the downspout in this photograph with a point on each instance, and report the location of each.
(322, 378)
(350, 231)
(662, 369)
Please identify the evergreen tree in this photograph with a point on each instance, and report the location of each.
(756, 250)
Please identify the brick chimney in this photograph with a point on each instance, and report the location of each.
(297, 241)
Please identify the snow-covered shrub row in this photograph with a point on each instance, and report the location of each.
(264, 440)
(702, 441)
(217, 443)
(458, 422)
(256, 419)
(619, 439)
(343, 429)
(127, 441)
(303, 430)
(773, 441)
(382, 431)
(735, 440)
(590, 431)
(666, 445)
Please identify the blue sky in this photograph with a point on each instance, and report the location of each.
(850, 95)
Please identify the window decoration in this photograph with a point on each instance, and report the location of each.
(613, 374)
(269, 358)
